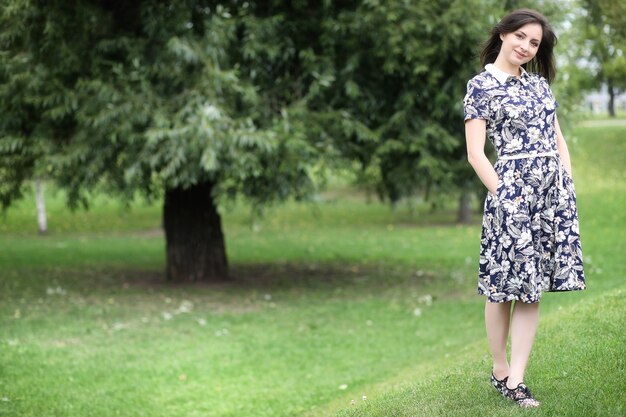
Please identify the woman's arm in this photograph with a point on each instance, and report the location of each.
(562, 147)
(475, 136)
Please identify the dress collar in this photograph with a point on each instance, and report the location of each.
(502, 76)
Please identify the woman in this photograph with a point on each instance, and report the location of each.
(530, 240)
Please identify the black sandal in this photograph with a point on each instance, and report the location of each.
(522, 396)
(499, 384)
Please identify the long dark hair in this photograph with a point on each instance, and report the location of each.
(543, 62)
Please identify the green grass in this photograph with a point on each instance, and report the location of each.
(323, 311)
(603, 116)
(577, 368)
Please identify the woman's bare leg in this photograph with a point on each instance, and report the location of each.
(497, 319)
(523, 328)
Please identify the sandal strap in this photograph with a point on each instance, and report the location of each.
(499, 384)
(521, 394)
(501, 381)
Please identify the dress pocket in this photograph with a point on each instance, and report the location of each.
(498, 193)
(568, 181)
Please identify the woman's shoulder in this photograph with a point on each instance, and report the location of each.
(539, 79)
(540, 83)
(483, 80)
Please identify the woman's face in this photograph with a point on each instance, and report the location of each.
(520, 46)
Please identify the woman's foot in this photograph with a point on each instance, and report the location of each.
(522, 396)
(499, 384)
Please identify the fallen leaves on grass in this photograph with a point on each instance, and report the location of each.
(118, 326)
(185, 307)
(221, 332)
(55, 291)
(425, 299)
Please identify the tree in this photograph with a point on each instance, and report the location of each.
(401, 73)
(605, 43)
(196, 101)
(401, 70)
(188, 100)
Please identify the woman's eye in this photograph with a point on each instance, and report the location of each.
(519, 36)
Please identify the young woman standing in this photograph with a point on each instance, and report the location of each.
(530, 240)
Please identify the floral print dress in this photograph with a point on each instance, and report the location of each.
(530, 241)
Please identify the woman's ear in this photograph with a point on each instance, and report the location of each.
(501, 36)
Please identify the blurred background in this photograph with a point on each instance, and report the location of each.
(264, 208)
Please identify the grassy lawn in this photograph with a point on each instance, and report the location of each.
(331, 302)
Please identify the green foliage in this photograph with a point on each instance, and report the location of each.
(256, 97)
(401, 73)
(604, 40)
(148, 95)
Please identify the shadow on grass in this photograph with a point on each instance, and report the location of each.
(244, 278)
(290, 276)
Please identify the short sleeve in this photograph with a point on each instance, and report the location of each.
(476, 102)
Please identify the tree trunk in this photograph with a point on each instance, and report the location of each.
(465, 206)
(194, 240)
(42, 221)
(611, 97)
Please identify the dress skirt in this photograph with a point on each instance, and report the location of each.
(530, 240)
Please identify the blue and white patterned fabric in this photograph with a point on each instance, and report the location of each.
(530, 241)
